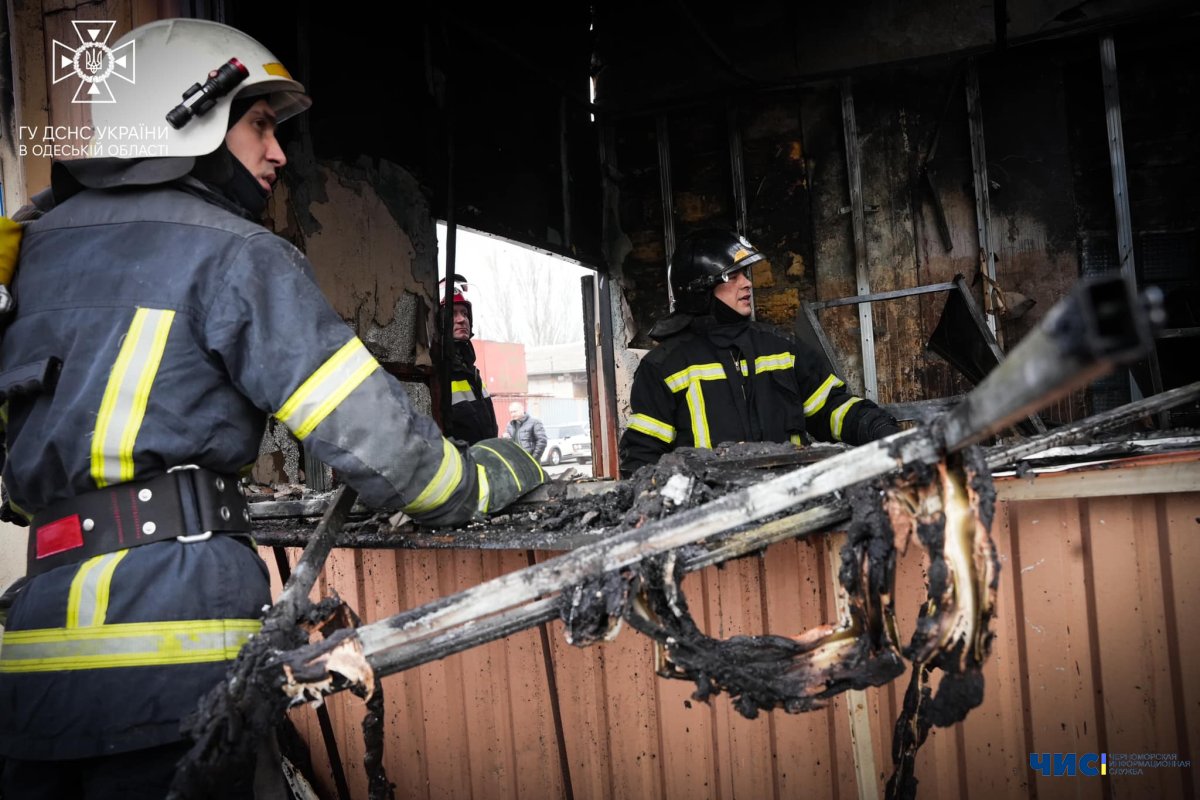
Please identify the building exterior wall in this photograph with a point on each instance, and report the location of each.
(1095, 651)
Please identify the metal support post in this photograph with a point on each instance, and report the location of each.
(983, 204)
(858, 217)
(1120, 181)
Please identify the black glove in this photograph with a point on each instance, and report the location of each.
(506, 471)
(876, 426)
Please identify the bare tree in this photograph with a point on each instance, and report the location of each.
(519, 295)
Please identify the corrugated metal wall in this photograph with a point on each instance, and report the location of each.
(1096, 650)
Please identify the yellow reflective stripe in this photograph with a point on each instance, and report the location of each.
(75, 595)
(485, 488)
(796, 439)
(697, 372)
(461, 392)
(124, 403)
(321, 393)
(277, 69)
(19, 510)
(652, 427)
(132, 644)
(87, 601)
(776, 361)
(839, 416)
(4, 413)
(511, 471)
(695, 401)
(507, 465)
(769, 363)
(541, 472)
(690, 379)
(817, 400)
(441, 485)
(104, 586)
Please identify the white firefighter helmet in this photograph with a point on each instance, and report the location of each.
(170, 58)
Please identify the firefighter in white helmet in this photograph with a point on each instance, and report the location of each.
(180, 324)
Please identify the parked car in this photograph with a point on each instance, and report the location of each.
(570, 442)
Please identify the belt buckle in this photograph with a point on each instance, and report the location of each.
(198, 537)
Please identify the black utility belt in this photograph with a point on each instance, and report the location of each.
(187, 503)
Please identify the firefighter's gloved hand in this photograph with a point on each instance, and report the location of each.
(877, 426)
(506, 471)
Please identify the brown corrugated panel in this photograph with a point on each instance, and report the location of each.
(1097, 649)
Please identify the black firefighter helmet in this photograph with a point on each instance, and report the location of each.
(703, 259)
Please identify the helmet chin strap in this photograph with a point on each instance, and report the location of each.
(222, 172)
(723, 313)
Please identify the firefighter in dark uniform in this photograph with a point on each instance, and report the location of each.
(180, 324)
(716, 376)
(472, 415)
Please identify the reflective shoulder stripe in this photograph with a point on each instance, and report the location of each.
(817, 400)
(132, 644)
(444, 481)
(839, 416)
(682, 379)
(485, 489)
(775, 361)
(461, 392)
(652, 427)
(321, 393)
(87, 600)
(697, 372)
(124, 403)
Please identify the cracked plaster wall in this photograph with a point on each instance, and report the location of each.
(368, 232)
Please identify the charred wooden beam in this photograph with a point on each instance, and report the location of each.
(455, 639)
(1098, 325)
(1094, 425)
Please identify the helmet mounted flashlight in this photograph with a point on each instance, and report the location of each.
(199, 99)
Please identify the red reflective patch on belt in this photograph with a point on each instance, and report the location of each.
(62, 534)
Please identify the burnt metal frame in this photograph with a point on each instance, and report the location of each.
(983, 203)
(662, 137)
(1110, 328)
(862, 278)
(959, 284)
(1120, 185)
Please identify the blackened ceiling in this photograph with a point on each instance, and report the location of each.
(500, 92)
(486, 104)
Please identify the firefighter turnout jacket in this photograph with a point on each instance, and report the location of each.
(472, 415)
(180, 325)
(739, 382)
